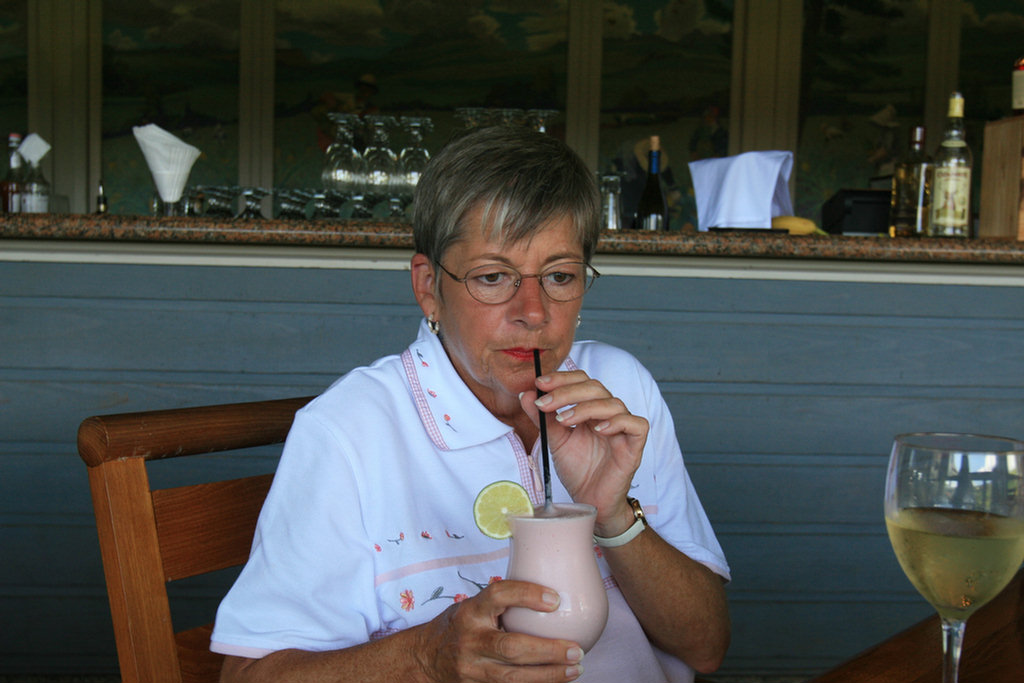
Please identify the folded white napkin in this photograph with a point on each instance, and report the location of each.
(33, 148)
(742, 191)
(169, 158)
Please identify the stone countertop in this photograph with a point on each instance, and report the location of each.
(379, 234)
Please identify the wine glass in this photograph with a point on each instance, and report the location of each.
(954, 508)
(414, 157)
(344, 167)
(509, 116)
(251, 203)
(472, 117)
(382, 172)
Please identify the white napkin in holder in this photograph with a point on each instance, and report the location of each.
(33, 148)
(742, 191)
(169, 158)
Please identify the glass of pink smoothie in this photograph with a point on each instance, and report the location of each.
(556, 550)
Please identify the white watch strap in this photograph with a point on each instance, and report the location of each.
(623, 538)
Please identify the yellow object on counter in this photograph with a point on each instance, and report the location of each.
(795, 225)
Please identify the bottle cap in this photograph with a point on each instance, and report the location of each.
(655, 143)
(917, 135)
(956, 106)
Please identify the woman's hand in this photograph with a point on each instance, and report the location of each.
(596, 444)
(466, 643)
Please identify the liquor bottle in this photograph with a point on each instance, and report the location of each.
(1017, 87)
(101, 199)
(11, 186)
(652, 211)
(911, 190)
(35, 191)
(951, 179)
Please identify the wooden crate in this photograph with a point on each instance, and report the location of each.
(1002, 180)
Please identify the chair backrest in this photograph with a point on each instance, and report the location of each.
(149, 538)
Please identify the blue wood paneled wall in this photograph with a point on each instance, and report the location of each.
(786, 395)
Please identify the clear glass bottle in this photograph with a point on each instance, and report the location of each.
(951, 179)
(611, 196)
(101, 199)
(13, 177)
(911, 190)
(652, 211)
(35, 192)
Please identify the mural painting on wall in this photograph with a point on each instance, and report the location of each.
(174, 64)
(13, 68)
(863, 80)
(666, 70)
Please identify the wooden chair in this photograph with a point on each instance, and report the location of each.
(993, 648)
(151, 537)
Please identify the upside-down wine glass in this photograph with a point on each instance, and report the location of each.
(472, 117)
(954, 508)
(345, 168)
(381, 161)
(414, 157)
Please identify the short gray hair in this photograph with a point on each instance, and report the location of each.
(520, 178)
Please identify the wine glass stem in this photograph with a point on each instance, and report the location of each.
(952, 643)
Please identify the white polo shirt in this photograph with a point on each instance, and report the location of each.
(368, 528)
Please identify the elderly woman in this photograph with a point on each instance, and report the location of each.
(367, 564)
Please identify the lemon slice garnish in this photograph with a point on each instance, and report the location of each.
(495, 503)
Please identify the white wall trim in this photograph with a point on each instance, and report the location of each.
(252, 256)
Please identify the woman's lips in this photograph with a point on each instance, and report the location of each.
(519, 353)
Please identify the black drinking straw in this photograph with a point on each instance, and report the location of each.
(543, 436)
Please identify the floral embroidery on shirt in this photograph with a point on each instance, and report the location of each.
(423, 361)
(448, 422)
(438, 593)
(480, 586)
(433, 394)
(424, 534)
(408, 601)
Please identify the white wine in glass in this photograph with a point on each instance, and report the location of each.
(954, 508)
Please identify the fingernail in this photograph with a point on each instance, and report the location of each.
(601, 427)
(543, 400)
(543, 379)
(574, 654)
(521, 395)
(564, 415)
(550, 598)
(573, 672)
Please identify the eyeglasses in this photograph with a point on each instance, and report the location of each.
(496, 284)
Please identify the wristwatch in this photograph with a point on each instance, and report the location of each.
(629, 534)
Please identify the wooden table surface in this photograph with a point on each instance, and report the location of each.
(993, 649)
